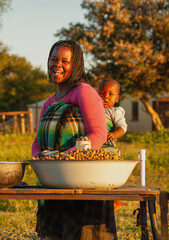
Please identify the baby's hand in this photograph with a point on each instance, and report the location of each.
(111, 136)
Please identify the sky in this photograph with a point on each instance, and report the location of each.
(28, 27)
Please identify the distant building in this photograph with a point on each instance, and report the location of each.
(36, 110)
(137, 118)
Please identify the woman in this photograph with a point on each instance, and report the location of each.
(68, 219)
(66, 71)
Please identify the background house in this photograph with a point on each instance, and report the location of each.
(137, 118)
(36, 110)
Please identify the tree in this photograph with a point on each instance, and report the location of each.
(4, 5)
(129, 41)
(20, 83)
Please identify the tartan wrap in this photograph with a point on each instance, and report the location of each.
(58, 130)
(110, 145)
(110, 125)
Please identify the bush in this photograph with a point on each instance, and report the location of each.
(147, 138)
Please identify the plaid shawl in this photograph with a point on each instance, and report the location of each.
(60, 126)
(110, 128)
(110, 145)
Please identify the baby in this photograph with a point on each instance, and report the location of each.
(109, 90)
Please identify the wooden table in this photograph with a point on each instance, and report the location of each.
(142, 194)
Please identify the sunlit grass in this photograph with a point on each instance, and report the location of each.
(18, 217)
(18, 225)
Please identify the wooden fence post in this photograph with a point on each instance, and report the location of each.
(3, 123)
(22, 124)
(15, 125)
(30, 120)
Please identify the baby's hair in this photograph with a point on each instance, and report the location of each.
(109, 80)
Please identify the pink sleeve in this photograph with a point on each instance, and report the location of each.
(92, 110)
(35, 146)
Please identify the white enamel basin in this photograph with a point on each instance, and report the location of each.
(84, 173)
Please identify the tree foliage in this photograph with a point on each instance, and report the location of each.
(129, 41)
(20, 82)
(4, 5)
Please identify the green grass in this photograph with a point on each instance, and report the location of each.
(18, 217)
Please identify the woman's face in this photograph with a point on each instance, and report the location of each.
(60, 64)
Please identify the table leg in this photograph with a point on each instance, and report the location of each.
(153, 220)
(164, 211)
(114, 223)
(144, 228)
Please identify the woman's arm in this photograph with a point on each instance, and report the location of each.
(92, 110)
(35, 146)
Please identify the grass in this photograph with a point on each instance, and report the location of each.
(18, 217)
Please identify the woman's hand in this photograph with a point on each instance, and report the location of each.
(41, 154)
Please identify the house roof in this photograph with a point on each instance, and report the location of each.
(163, 100)
(37, 104)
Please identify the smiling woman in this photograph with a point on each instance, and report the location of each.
(74, 110)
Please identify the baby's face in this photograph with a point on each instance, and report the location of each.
(109, 93)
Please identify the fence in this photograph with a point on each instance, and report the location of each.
(15, 115)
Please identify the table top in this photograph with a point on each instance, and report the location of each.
(39, 192)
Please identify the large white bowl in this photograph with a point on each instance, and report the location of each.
(83, 174)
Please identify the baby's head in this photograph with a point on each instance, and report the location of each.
(109, 90)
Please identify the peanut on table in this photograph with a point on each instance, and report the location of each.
(79, 154)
